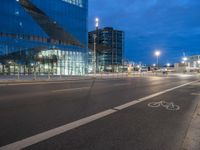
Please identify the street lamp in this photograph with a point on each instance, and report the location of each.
(157, 54)
(168, 64)
(185, 59)
(97, 22)
(95, 45)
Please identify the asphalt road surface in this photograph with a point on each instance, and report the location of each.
(112, 114)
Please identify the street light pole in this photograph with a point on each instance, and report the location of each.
(157, 53)
(157, 60)
(94, 63)
(95, 45)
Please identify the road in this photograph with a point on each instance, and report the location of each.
(110, 114)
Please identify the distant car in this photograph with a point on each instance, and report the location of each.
(144, 69)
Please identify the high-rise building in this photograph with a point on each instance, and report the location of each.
(109, 47)
(43, 36)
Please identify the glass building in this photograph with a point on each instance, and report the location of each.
(109, 48)
(43, 36)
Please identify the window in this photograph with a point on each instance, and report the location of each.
(74, 2)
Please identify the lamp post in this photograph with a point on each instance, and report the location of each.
(184, 61)
(94, 57)
(168, 66)
(157, 54)
(95, 45)
(97, 23)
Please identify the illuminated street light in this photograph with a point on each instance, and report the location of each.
(198, 61)
(97, 22)
(95, 45)
(154, 65)
(157, 54)
(168, 64)
(185, 58)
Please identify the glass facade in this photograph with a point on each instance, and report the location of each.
(109, 48)
(43, 36)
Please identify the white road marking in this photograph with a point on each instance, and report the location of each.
(46, 82)
(195, 94)
(56, 131)
(69, 90)
(168, 105)
(29, 83)
(67, 127)
(40, 82)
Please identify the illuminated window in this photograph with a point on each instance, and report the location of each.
(74, 2)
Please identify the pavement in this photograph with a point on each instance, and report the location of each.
(192, 140)
(98, 114)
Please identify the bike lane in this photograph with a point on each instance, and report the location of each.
(138, 127)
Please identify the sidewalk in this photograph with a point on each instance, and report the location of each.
(52, 78)
(40, 78)
(32, 78)
(192, 140)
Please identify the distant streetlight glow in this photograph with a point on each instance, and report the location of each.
(157, 54)
(154, 65)
(185, 58)
(198, 61)
(168, 64)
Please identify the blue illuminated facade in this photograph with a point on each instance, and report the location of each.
(43, 36)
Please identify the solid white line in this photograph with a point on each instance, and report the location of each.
(62, 129)
(69, 90)
(40, 82)
(56, 131)
(195, 94)
(44, 82)
(151, 96)
(29, 83)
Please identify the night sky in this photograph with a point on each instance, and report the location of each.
(173, 26)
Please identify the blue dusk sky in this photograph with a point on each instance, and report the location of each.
(173, 26)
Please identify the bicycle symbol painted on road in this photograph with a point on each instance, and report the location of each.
(168, 105)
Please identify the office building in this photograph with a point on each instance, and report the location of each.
(43, 36)
(109, 48)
